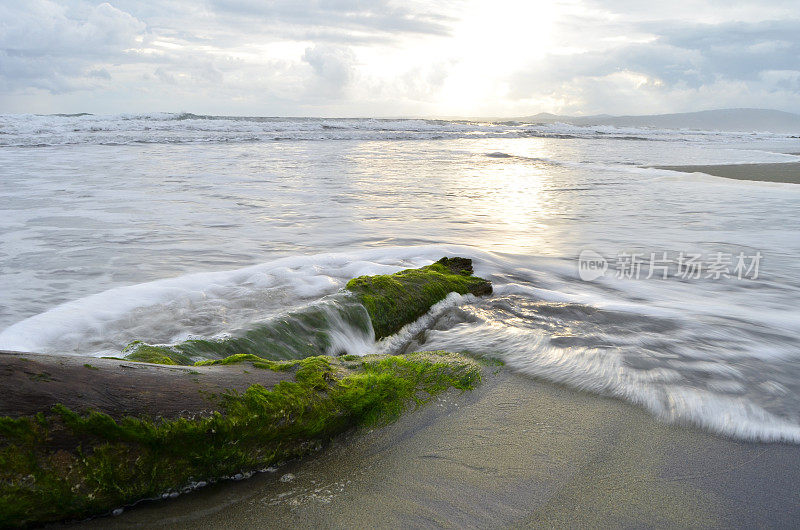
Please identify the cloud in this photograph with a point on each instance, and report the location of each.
(44, 45)
(338, 16)
(395, 57)
(99, 73)
(44, 28)
(738, 50)
(744, 63)
(285, 48)
(333, 70)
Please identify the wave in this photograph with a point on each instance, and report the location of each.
(31, 130)
(710, 395)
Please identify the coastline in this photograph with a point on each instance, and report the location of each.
(786, 172)
(514, 452)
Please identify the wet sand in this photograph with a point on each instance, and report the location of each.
(783, 172)
(515, 452)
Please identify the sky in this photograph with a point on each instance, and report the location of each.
(398, 58)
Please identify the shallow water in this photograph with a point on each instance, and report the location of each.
(165, 227)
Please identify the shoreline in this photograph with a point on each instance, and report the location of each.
(786, 172)
(513, 452)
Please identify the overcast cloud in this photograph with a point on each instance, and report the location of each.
(361, 57)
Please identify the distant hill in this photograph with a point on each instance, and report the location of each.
(746, 120)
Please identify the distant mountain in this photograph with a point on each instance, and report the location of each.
(746, 120)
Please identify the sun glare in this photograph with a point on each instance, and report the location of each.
(490, 42)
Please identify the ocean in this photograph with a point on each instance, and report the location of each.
(677, 292)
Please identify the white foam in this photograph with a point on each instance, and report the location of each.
(601, 371)
(730, 416)
(396, 342)
(170, 128)
(348, 339)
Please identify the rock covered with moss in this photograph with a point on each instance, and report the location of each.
(64, 464)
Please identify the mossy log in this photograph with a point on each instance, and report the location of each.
(66, 463)
(82, 436)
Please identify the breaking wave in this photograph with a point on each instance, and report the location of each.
(31, 130)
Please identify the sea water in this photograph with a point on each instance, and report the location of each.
(163, 227)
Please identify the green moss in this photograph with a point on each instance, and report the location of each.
(68, 465)
(147, 353)
(255, 360)
(314, 371)
(298, 334)
(90, 366)
(395, 300)
(302, 333)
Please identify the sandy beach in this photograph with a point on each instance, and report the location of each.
(781, 172)
(514, 452)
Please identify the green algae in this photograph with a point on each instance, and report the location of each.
(297, 334)
(394, 300)
(255, 360)
(66, 465)
(305, 369)
(147, 353)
